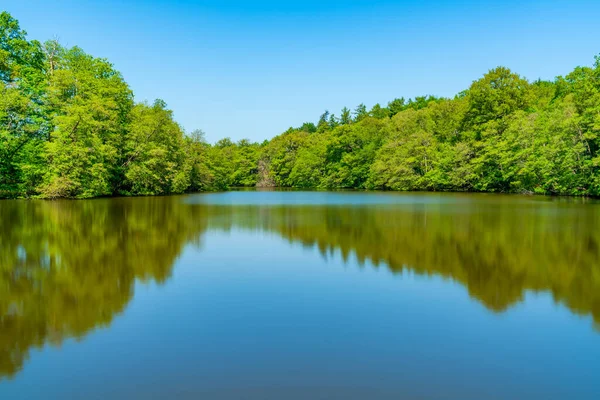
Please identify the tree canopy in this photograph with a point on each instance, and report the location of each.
(69, 127)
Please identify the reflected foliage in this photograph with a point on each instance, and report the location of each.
(69, 267)
(497, 249)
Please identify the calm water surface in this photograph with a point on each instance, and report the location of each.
(271, 295)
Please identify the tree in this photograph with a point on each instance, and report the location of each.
(69, 127)
(379, 112)
(91, 103)
(154, 159)
(395, 106)
(346, 117)
(360, 112)
(23, 115)
(333, 121)
(496, 95)
(323, 123)
(308, 127)
(198, 161)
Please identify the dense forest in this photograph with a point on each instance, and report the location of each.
(69, 127)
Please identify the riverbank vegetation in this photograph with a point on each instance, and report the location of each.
(69, 127)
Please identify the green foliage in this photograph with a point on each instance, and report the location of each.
(360, 112)
(233, 164)
(23, 122)
(503, 134)
(69, 128)
(379, 112)
(89, 102)
(496, 95)
(395, 106)
(279, 157)
(154, 157)
(202, 176)
(346, 117)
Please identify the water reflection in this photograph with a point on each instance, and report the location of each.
(69, 267)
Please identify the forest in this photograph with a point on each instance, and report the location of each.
(70, 128)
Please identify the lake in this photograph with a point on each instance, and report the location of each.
(320, 295)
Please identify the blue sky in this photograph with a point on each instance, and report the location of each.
(251, 69)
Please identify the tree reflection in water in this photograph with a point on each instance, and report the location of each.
(67, 267)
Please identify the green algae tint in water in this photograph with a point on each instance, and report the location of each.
(270, 295)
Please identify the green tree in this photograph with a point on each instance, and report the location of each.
(323, 123)
(496, 95)
(23, 115)
(396, 105)
(91, 103)
(154, 156)
(197, 157)
(346, 116)
(360, 112)
(379, 112)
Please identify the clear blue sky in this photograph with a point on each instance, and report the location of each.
(251, 69)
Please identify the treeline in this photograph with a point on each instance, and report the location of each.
(69, 127)
(503, 134)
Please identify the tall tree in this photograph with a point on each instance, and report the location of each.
(154, 159)
(346, 116)
(23, 119)
(360, 112)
